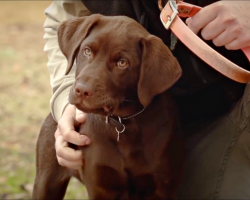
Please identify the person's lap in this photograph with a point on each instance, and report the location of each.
(218, 166)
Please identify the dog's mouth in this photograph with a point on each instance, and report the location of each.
(108, 108)
(122, 108)
(99, 104)
(105, 108)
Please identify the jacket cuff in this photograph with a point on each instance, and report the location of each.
(59, 103)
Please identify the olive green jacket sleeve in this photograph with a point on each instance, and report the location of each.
(57, 12)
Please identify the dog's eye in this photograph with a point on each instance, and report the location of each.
(87, 52)
(122, 63)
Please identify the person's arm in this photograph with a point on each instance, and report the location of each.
(57, 12)
(64, 113)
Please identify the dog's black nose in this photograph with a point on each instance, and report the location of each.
(82, 90)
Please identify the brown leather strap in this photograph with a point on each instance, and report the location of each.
(199, 47)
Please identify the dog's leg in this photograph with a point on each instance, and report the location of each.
(50, 186)
(51, 179)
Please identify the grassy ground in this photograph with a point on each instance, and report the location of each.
(24, 97)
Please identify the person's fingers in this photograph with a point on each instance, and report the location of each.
(69, 154)
(223, 39)
(73, 137)
(202, 18)
(66, 156)
(60, 142)
(240, 39)
(65, 152)
(67, 129)
(66, 134)
(212, 30)
(80, 116)
(70, 164)
(236, 44)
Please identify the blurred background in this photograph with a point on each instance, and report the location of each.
(24, 97)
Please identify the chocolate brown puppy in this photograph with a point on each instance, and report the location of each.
(122, 77)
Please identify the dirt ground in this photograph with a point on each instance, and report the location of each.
(24, 97)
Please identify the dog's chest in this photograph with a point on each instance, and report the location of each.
(139, 145)
(136, 158)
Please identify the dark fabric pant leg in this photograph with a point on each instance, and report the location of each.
(218, 165)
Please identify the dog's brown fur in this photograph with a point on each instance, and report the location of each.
(146, 163)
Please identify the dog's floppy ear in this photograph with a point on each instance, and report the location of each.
(159, 69)
(71, 33)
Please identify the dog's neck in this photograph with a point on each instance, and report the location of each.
(129, 106)
(128, 112)
(160, 111)
(158, 117)
(128, 109)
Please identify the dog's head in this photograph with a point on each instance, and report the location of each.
(117, 60)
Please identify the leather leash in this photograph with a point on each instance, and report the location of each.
(170, 17)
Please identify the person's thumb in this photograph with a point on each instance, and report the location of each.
(80, 116)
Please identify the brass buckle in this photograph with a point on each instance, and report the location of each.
(171, 18)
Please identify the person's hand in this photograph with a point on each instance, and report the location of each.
(227, 23)
(65, 134)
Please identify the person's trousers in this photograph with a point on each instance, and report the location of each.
(218, 165)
